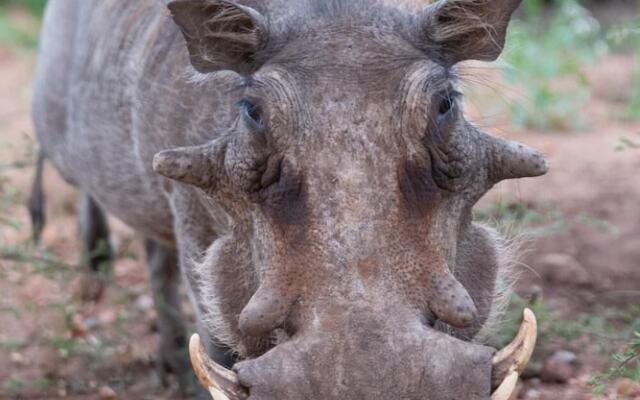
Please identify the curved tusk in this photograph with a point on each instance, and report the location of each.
(506, 389)
(511, 361)
(220, 382)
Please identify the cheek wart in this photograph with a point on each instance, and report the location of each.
(419, 192)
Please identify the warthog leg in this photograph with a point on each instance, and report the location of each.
(165, 286)
(37, 201)
(96, 250)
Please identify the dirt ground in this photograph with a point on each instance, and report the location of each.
(582, 260)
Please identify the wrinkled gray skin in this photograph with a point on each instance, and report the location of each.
(322, 215)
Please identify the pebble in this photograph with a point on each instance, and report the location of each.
(628, 388)
(107, 317)
(144, 303)
(17, 358)
(532, 394)
(532, 370)
(78, 327)
(106, 392)
(559, 368)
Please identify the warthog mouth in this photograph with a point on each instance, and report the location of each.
(507, 365)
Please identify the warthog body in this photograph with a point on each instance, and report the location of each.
(314, 177)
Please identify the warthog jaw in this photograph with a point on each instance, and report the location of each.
(508, 364)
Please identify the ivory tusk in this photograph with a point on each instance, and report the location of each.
(511, 361)
(508, 364)
(222, 383)
(506, 389)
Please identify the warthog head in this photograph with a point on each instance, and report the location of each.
(352, 268)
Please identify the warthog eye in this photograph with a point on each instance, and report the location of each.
(251, 113)
(447, 104)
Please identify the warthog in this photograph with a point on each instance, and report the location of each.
(308, 166)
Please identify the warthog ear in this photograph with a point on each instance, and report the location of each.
(467, 29)
(220, 34)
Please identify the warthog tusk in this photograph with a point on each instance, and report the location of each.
(508, 364)
(511, 361)
(220, 382)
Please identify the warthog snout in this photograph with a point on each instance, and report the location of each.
(368, 354)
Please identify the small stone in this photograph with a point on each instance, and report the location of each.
(144, 303)
(535, 382)
(559, 368)
(532, 370)
(562, 268)
(17, 358)
(77, 327)
(91, 323)
(107, 317)
(62, 389)
(628, 388)
(565, 356)
(532, 394)
(106, 392)
(93, 340)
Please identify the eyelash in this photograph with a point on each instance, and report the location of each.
(448, 102)
(251, 113)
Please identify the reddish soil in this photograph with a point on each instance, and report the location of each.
(589, 201)
(54, 346)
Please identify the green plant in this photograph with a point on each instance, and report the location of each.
(608, 326)
(550, 325)
(535, 221)
(45, 264)
(627, 37)
(545, 59)
(633, 109)
(523, 213)
(597, 224)
(42, 383)
(20, 23)
(36, 7)
(615, 330)
(8, 198)
(624, 143)
(14, 385)
(626, 365)
(11, 345)
(518, 217)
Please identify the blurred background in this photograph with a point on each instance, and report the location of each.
(568, 84)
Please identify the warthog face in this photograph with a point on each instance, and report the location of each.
(350, 174)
